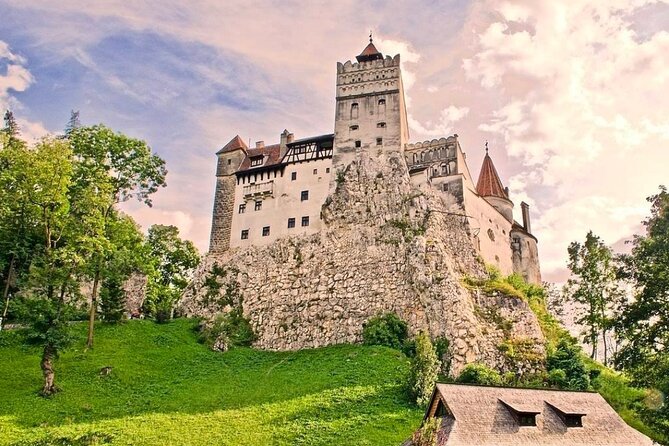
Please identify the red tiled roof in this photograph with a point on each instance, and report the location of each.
(369, 53)
(489, 184)
(271, 154)
(234, 144)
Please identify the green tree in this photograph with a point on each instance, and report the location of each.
(566, 367)
(174, 262)
(114, 168)
(644, 321)
(594, 286)
(480, 374)
(385, 329)
(424, 370)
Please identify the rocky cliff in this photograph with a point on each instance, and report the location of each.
(386, 246)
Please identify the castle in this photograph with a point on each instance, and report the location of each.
(274, 191)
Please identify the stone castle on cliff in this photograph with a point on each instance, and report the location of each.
(274, 191)
(312, 237)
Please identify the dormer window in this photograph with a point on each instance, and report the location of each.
(525, 417)
(256, 160)
(570, 417)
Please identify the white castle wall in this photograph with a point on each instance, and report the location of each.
(283, 203)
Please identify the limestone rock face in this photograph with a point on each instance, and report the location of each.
(385, 246)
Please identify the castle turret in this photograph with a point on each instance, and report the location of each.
(490, 187)
(230, 157)
(370, 109)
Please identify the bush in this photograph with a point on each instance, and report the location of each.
(567, 358)
(479, 374)
(441, 345)
(386, 329)
(424, 370)
(427, 434)
(228, 330)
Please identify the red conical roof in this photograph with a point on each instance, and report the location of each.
(235, 143)
(489, 184)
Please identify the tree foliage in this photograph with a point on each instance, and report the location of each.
(566, 367)
(644, 321)
(479, 374)
(424, 370)
(173, 262)
(594, 286)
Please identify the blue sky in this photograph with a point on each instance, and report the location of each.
(569, 96)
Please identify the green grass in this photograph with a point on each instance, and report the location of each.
(165, 388)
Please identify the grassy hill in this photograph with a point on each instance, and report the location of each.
(166, 388)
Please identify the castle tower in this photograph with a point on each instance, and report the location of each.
(489, 186)
(230, 158)
(370, 109)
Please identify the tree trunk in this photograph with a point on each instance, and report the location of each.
(47, 370)
(5, 295)
(93, 309)
(593, 339)
(606, 348)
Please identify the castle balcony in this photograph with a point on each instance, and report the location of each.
(259, 189)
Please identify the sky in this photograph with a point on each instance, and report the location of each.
(573, 97)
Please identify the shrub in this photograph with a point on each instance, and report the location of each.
(558, 378)
(480, 374)
(427, 434)
(424, 370)
(567, 357)
(387, 329)
(441, 345)
(227, 330)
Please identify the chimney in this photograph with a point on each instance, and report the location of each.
(260, 144)
(286, 138)
(526, 217)
(291, 137)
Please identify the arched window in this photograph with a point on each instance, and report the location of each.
(354, 110)
(382, 106)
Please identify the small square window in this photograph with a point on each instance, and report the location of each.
(242, 208)
(265, 231)
(327, 170)
(293, 176)
(379, 141)
(258, 205)
(358, 144)
(305, 221)
(291, 223)
(304, 195)
(315, 171)
(245, 234)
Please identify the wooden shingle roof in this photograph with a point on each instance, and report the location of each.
(480, 418)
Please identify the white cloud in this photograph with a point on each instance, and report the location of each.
(583, 108)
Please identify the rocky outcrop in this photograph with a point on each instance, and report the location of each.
(386, 246)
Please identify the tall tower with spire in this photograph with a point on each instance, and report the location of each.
(370, 112)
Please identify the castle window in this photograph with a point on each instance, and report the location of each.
(445, 187)
(256, 160)
(491, 235)
(327, 170)
(245, 234)
(258, 205)
(242, 208)
(315, 171)
(304, 195)
(358, 143)
(229, 162)
(381, 125)
(379, 141)
(305, 221)
(354, 110)
(265, 231)
(444, 169)
(382, 106)
(353, 127)
(293, 176)
(291, 223)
